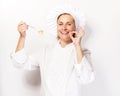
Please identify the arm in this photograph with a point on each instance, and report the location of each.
(84, 70)
(79, 53)
(83, 67)
(77, 43)
(22, 28)
(20, 58)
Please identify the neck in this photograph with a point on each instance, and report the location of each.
(63, 44)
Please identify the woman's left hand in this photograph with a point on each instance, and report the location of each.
(77, 36)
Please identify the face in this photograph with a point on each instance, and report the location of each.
(65, 25)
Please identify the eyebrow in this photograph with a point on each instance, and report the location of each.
(62, 22)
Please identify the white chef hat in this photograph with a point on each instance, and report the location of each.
(64, 8)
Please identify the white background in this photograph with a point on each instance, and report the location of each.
(103, 39)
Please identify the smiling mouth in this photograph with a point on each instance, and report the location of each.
(64, 33)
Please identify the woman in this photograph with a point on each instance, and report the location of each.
(64, 66)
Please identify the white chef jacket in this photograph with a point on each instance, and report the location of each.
(60, 73)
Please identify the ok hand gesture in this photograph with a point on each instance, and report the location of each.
(77, 36)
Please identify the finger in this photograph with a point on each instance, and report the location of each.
(81, 32)
(73, 34)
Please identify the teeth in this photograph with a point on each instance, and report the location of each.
(64, 33)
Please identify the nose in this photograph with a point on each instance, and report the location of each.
(64, 27)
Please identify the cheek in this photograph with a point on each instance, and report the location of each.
(58, 28)
(58, 31)
(71, 28)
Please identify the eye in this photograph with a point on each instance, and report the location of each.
(60, 24)
(69, 24)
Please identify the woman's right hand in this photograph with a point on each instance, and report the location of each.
(22, 28)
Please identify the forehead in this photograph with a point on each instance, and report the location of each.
(65, 17)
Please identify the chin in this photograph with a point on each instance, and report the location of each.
(67, 40)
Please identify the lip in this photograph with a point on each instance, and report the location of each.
(64, 33)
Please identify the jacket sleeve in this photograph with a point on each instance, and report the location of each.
(84, 71)
(22, 60)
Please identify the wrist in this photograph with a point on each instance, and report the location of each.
(77, 45)
(22, 36)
